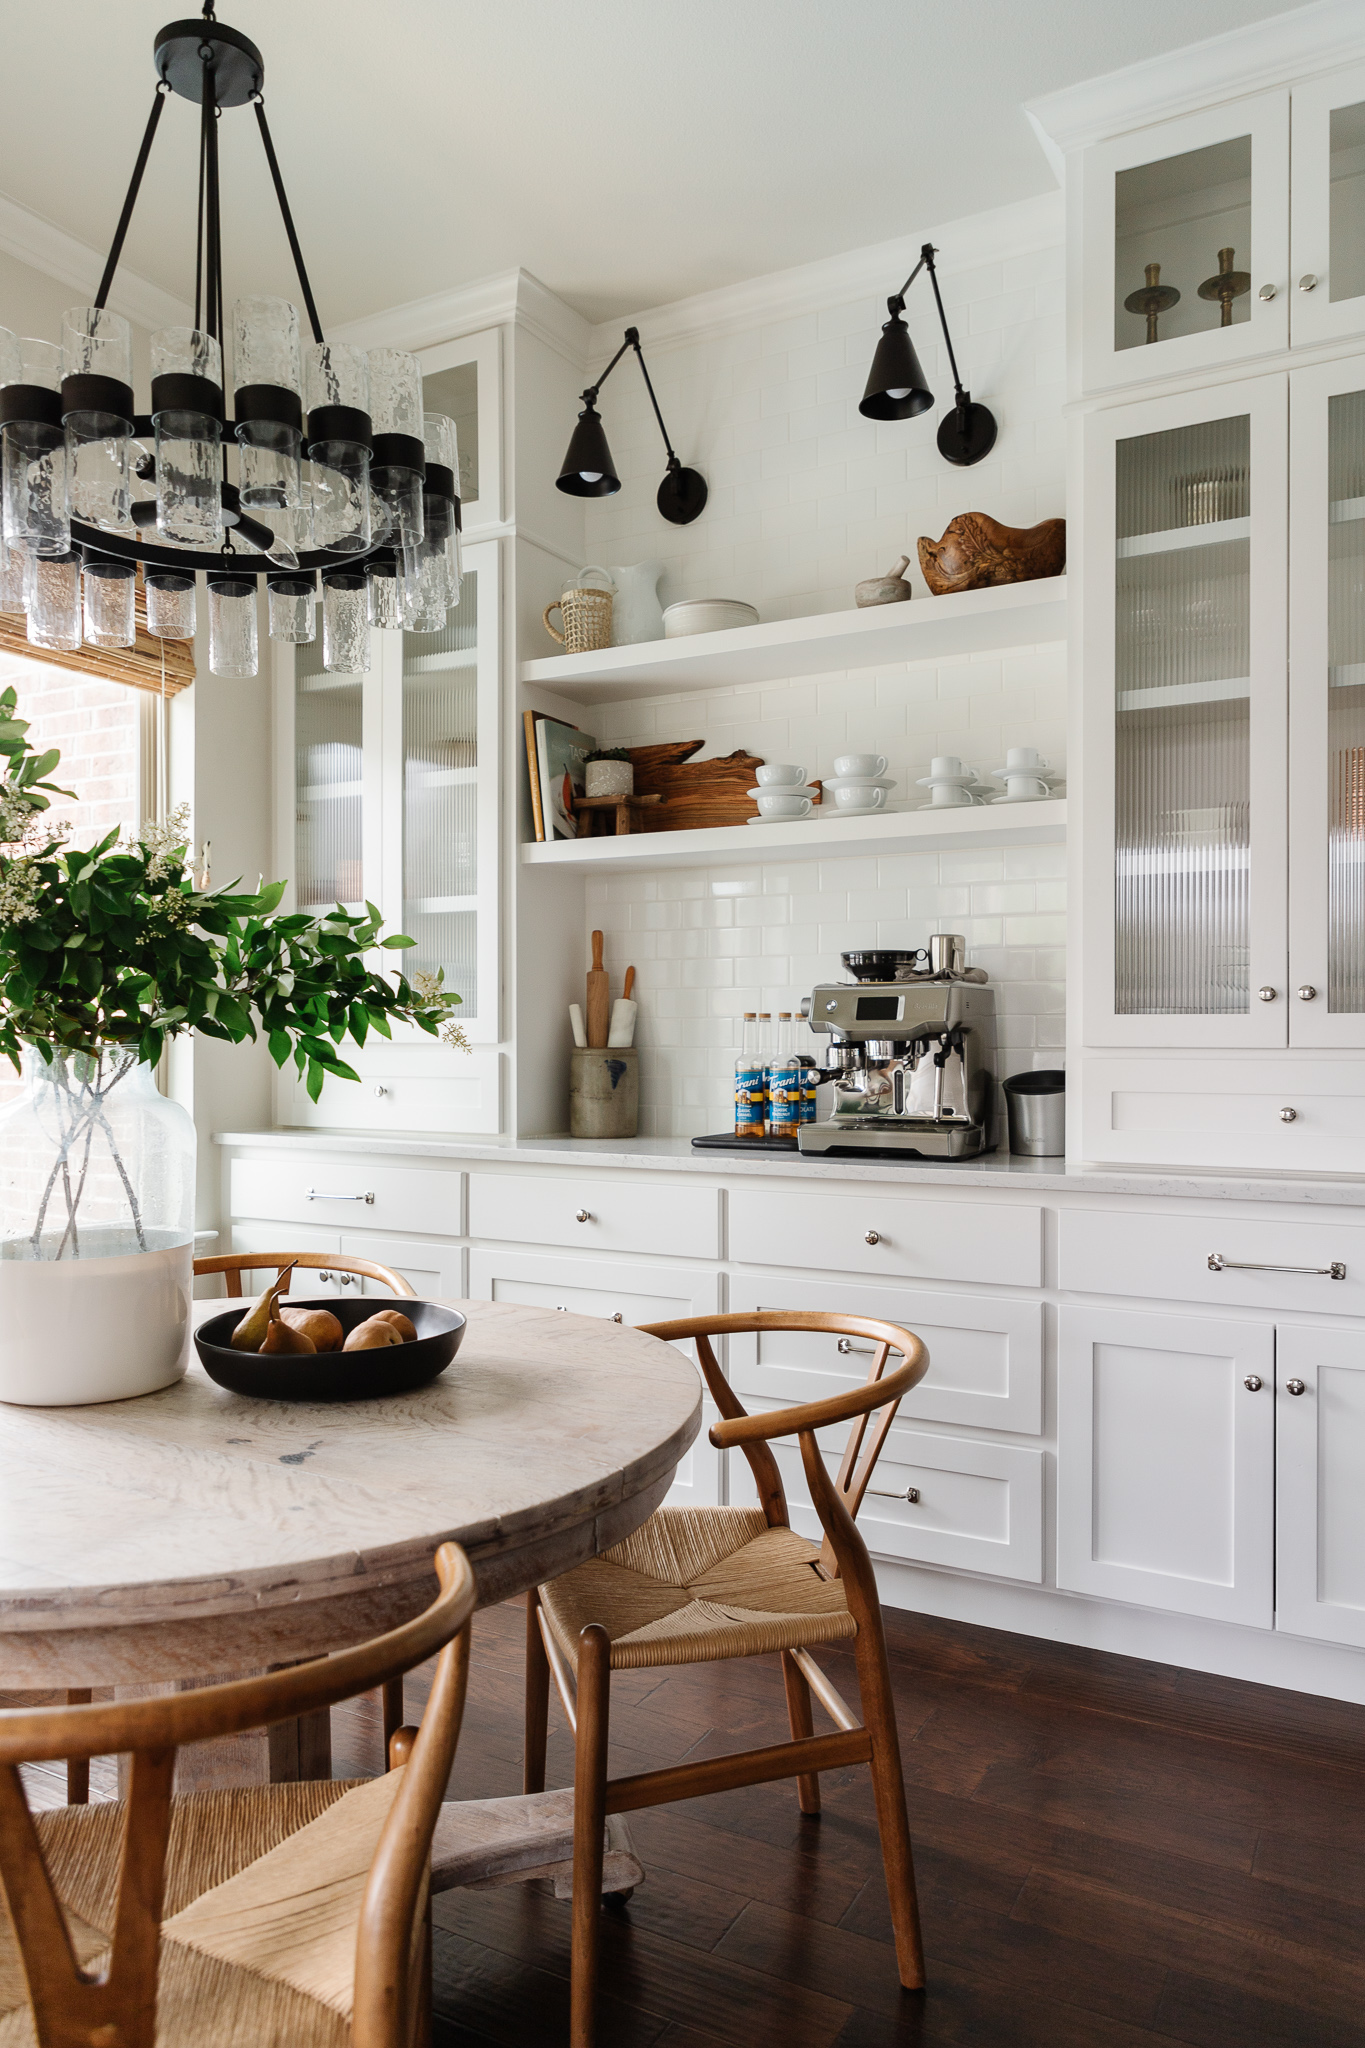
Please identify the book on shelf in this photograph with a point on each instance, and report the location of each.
(561, 751)
(528, 722)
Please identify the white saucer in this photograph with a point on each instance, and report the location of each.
(969, 806)
(800, 789)
(856, 810)
(860, 782)
(969, 779)
(783, 821)
(1022, 799)
(1042, 773)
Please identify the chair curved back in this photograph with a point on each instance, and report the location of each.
(71, 2005)
(232, 1265)
(881, 1390)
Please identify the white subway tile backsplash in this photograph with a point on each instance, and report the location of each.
(806, 499)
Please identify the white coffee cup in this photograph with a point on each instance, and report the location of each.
(1024, 761)
(950, 796)
(859, 796)
(1021, 787)
(779, 775)
(946, 764)
(864, 766)
(780, 803)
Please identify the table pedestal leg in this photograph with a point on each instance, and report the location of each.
(282, 1755)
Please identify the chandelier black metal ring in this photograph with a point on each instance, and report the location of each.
(339, 469)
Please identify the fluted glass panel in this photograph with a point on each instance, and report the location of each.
(327, 784)
(440, 798)
(1346, 701)
(1182, 713)
(1346, 231)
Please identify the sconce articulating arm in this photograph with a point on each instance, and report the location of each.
(682, 494)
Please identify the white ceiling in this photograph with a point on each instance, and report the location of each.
(628, 152)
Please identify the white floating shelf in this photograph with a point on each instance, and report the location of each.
(1213, 534)
(1342, 511)
(890, 832)
(1348, 677)
(925, 629)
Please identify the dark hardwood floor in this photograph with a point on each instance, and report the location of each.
(1109, 1854)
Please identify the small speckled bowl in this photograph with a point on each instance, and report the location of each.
(334, 1375)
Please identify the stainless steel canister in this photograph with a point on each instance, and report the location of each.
(1037, 1113)
(947, 952)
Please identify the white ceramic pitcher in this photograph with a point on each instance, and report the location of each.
(637, 614)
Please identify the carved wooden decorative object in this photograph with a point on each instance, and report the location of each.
(694, 792)
(976, 551)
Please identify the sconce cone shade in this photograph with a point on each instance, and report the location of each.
(896, 389)
(587, 470)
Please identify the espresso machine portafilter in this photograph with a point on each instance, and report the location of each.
(910, 1057)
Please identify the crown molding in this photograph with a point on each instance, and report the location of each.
(512, 296)
(54, 253)
(875, 271)
(1245, 60)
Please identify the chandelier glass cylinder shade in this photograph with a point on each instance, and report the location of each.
(313, 459)
(898, 390)
(587, 470)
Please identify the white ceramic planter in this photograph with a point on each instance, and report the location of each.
(83, 1330)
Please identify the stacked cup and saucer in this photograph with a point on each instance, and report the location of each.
(859, 786)
(951, 784)
(783, 795)
(1027, 777)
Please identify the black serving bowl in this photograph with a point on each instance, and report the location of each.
(334, 1375)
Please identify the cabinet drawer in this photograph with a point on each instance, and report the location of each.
(402, 1090)
(980, 1505)
(1106, 1251)
(436, 1271)
(345, 1192)
(596, 1215)
(985, 1351)
(1200, 1111)
(925, 1239)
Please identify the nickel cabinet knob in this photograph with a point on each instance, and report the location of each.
(873, 1237)
(1307, 992)
(582, 1215)
(1267, 292)
(1308, 283)
(1253, 1383)
(1266, 993)
(1288, 1115)
(1295, 1387)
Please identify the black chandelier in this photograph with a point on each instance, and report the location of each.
(339, 471)
(896, 389)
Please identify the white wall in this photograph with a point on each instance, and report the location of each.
(760, 389)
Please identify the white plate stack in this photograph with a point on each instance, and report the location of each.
(706, 615)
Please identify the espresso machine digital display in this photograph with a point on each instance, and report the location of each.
(878, 1009)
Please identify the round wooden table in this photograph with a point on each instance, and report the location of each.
(193, 1532)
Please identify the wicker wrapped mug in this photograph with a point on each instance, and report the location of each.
(586, 612)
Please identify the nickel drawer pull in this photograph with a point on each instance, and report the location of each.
(847, 1345)
(321, 1195)
(910, 1493)
(1218, 1264)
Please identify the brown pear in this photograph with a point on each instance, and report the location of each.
(281, 1336)
(373, 1335)
(249, 1333)
(318, 1323)
(404, 1325)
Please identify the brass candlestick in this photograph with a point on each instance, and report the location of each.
(1154, 299)
(1229, 284)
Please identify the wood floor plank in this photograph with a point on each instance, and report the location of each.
(1213, 2014)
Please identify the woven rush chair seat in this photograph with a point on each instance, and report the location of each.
(255, 1952)
(280, 1916)
(698, 1584)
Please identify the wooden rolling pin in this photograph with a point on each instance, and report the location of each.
(623, 1015)
(599, 996)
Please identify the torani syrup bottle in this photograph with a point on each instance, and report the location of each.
(750, 1093)
(786, 1083)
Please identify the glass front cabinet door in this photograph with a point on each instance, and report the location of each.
(1185, 237)
(1327, 296)
(1183, 644)
(389, 794)
(1327, 704)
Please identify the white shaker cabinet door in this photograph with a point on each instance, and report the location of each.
(1166, 1462)
(1320, 1457)
(622, 1291)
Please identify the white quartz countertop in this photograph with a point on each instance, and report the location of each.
(676, 1155)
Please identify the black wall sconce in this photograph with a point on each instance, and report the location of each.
(896, 389)
(587, 470)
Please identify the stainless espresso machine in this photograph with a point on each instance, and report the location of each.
(912, 1043)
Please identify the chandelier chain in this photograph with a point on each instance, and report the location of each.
(158, 102)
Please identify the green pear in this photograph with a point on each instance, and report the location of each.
(250, 1332)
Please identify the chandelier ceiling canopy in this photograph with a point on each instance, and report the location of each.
(339, 472)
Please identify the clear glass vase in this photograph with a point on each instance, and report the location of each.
(97, 1172)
